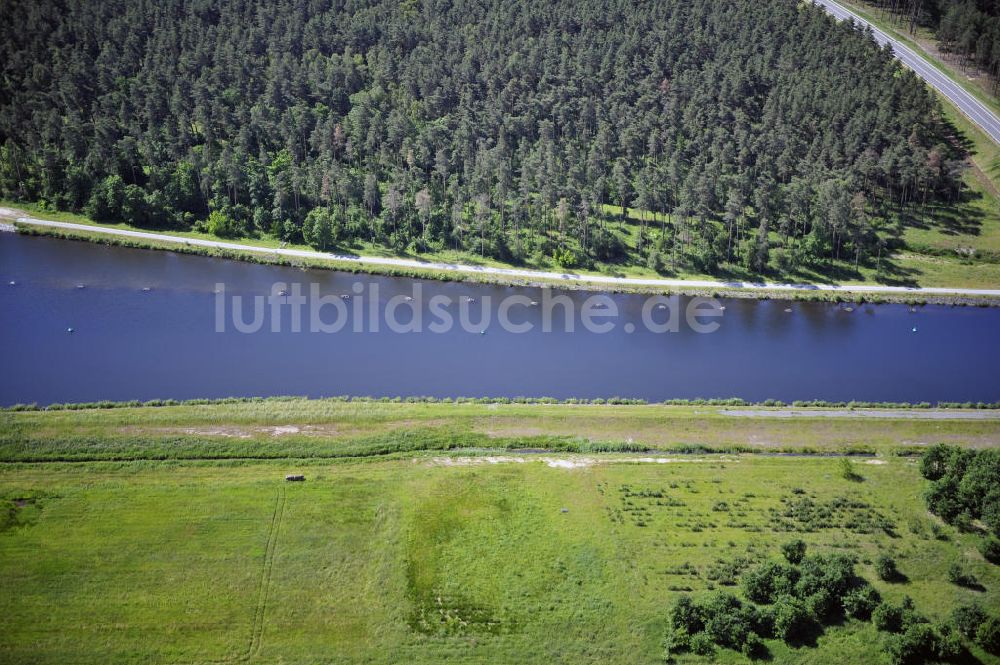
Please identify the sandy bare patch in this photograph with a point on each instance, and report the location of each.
(228, 432)
(672, 460)
(472, 461)
(238, 432)
(875, 461)
(284, 429)
(568, 463)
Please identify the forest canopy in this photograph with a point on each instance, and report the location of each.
(743, 132)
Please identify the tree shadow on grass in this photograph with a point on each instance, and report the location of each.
(957, 219)
(808, 637)
(971, 583)
(897, 577)
(966, 657)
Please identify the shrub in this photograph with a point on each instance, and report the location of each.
(765, 582)
(990, 549)
(949, 644)
(941, 498)
(702, 644)
(727, 621)
(934, 462)
(763, 623)
(848, 472)
(885, 568)
(916, 645)
(988, 635)
(794, 551)
(968, 618)
(959, 577)
(754, 647)
(792, 620)
(888, 618)
(860, 602)
(822, 605)
(832, 572)
(686, 616)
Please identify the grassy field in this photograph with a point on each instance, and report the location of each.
(317, 429)
(432, 533)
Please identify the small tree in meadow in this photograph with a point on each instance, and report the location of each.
(794, 551)
(885, 568)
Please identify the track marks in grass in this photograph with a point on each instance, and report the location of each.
(264, 586)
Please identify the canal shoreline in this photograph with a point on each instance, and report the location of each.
(733, 406)
(413, 269)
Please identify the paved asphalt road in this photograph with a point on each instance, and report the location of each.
(975, 110)
(513, 273)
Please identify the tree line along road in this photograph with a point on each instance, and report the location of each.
(971, 107)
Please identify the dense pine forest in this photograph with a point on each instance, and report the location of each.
(749, 135)
(970, 28)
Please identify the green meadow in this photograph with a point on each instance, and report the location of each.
(444, 533)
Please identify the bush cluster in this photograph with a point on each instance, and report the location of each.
(965, 487)
(791, 600)
(974, 623)
(788, 601)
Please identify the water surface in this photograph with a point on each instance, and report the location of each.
(133, 343)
